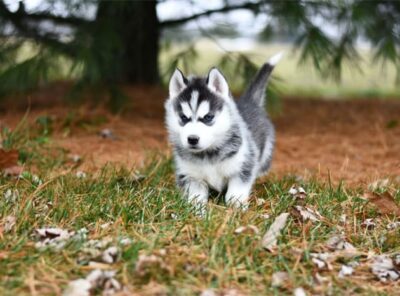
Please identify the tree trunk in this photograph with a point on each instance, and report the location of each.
(127, 33)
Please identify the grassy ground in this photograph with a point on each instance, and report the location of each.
(191, 254)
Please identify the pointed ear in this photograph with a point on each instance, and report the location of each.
(177, 83)
(217, 82)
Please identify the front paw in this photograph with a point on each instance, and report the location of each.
(200, 210)
(241, 203)
(199, 205)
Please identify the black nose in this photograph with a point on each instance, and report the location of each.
(193, 140)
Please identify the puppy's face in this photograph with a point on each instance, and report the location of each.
(197, 111)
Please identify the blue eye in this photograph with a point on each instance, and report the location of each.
(184, 119)
(208, 118)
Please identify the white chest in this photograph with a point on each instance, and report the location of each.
(216, 175)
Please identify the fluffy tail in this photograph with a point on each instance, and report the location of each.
(256, 89)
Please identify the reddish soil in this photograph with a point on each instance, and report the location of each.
(354, 140)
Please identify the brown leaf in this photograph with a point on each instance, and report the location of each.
(249, 229)
(8, 159)
(13, 171)
(306, 213)
(297, 192)
(269, 241)
(3, 255)
(154, 289)
(384, 203)
(279, 278)
(146, 264)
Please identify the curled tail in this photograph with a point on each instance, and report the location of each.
(256, 89)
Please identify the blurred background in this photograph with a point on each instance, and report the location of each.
(333, 48)
(334, 96)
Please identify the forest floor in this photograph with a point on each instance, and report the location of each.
(112, 175)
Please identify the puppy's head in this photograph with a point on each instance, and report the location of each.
(198, 112)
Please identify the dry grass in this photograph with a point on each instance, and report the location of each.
(172, 251)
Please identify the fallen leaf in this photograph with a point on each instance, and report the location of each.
(137, 176)
(299, 292)
(9, 163)
(9, 223)
(97, 265)
(162, 252)
(319, 279)
(260, 201)
(80, 175)
(52, 233)
(125, 241)
(3, 254)
(384, 268)
(338, 243)
(79, 287)
(11, 196)
(208, 292)
(270, 238)
(384, 203)
(110, 255)
(378, 184)
(36, 180)
(14, 171)
(307, 213)
(75, 158)
(98, 244)
(247, 229)
(104, 280)
(396, 261)
(52, 237)
(154, 289)
(107, 134)
(57, 238)
(345, 270)
(264, 216)
(147, 263)
(96, 280)
(93, 248)
(8, 159)
(106, 225)
(297, 192)
(393, 225)
(368, 223)
(322, 260)
(279, 278)
(232, 292)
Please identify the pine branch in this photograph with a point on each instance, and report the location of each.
(70, 20)
(18, 21)
(248, 5)
(41, 16)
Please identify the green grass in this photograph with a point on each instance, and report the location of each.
(200, 253)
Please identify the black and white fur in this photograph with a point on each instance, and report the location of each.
(219, 142)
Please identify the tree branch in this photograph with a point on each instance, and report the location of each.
(57, 19)
(41, 16)
(18, 22)
(247, 5)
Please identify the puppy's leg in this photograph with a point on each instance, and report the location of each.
(195, 191)
(238, 192)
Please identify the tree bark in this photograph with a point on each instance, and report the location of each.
(128, 31)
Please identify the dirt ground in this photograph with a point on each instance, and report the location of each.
(357, 141)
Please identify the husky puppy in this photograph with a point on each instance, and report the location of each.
(219, 142)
